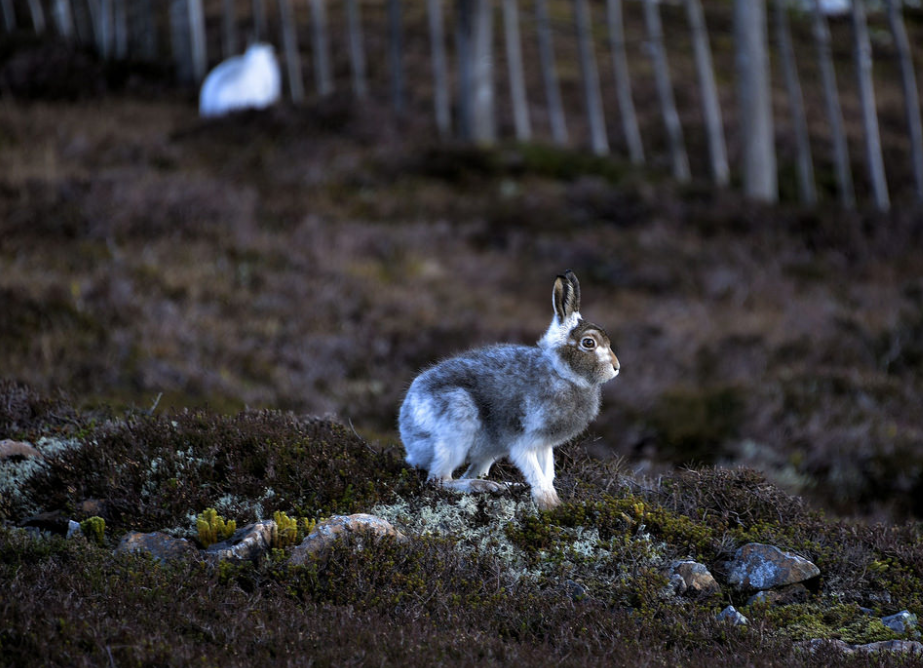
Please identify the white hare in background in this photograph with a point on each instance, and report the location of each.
(510, 401)
(250, 81)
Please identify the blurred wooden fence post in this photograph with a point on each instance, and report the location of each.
(120, 28)
(356, 48)
(863, 54)
(514, 65)
(755, 100)
(197, 38)
(259, 20)
(395, 49)
(440, 69)
(465, 70)
(599, 141)
(623, 82)
(806, 189)
(834, 112)
(550, 73)
(104, 33)
(322, 76)
(146, 28)
(229, 28)
(38, 16)
(711, 107)
(292, 54)
(911, 94)
(63, 19)
(9, 15)
(483, 123)
(671, 122)
(179, 41)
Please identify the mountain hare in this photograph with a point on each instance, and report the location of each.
(510, 401)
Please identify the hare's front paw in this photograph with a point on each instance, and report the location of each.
(545, 499)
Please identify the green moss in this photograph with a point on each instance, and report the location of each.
(212, 528)
(94, 528)
(827, 619)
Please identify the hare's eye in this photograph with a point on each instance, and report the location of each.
(588, 343)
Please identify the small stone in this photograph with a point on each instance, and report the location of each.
(796, 593)
(898, 646)
(247, 544)
(902, 622)
(326, 533)
(690, 578)
(901, 646)
(575, 590)
(731, 615)
(756, 566)
(10, 449)
(73, 529)
(54, 522)
(163, 547)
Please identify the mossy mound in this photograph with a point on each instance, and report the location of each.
(482, 579)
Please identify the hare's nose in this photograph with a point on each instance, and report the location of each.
(615, 364)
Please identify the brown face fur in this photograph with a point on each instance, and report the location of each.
(589, 353)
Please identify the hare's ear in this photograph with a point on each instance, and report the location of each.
(575, 284)
(566, 296)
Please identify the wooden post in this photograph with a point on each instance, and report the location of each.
(395, 50)
(863, 55)
(229, 28)
(671, 122)
(514, 64)
(440, 69)
(806, 189)
(180, 42)
(356, 48)
(599, 141)
(9, 15)
(38, 16)
(465, 70)
(147, 31)
(755, 101)
(104, 34)
(259, 20)
(64, 19)
(911, 95)
(711, 107)
(120, 29)
(292, 55)
(550, 73)
(623, 82)
(322, 75)
(834, 112)
(483, 123)
(197, 36)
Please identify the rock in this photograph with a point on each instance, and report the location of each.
(731, 615)
(17, 449)
(690, 578)
(902, 622)
(575, 590)
(756, 566)
(899, 646)
(54, 522)
(326, 533)
(73, 529)
(163, 547)
(247, 544)
(796, 593)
